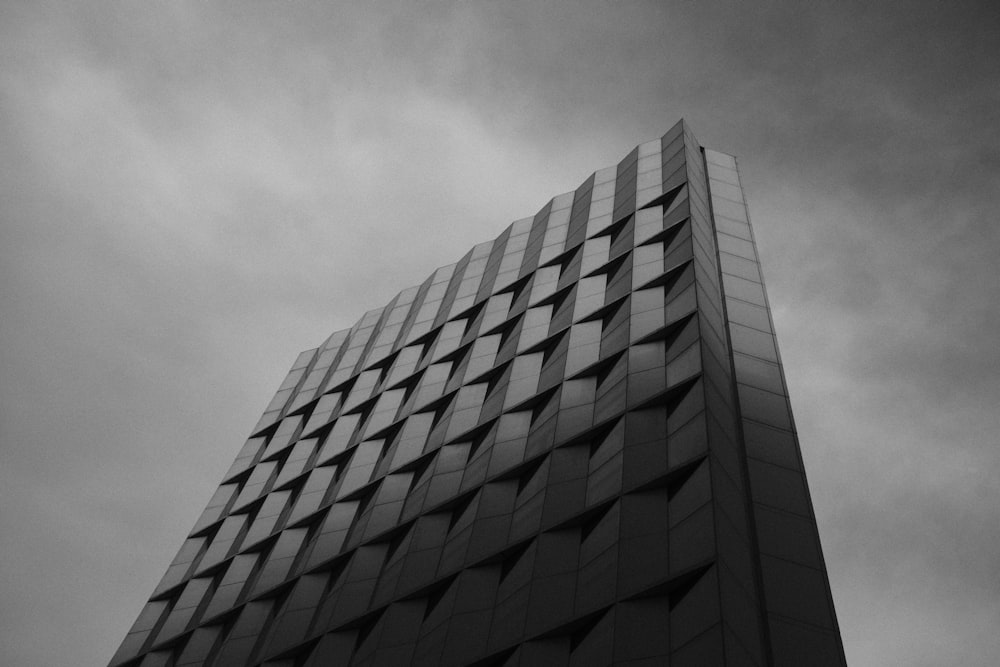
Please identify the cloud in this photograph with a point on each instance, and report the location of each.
(194, 192)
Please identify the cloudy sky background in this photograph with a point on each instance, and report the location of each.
(193, 192)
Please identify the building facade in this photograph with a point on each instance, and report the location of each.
(572, 447)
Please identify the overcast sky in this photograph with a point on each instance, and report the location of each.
(193, 192)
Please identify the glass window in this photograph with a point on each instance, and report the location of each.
(603, 190)
(739, 266)
(741, 312)
(733, 227)
(735, 246)
(729, 209)
(723, 174)
(758, 373)
(744, 290)
(721, 159)
(649, 148)
(753, 342)
(764, 406)
(605, 175)
(725, 190)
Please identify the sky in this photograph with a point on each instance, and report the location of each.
(191, 193)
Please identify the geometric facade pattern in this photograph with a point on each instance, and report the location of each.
(572, 447)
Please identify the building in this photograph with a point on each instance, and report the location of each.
(572, 447)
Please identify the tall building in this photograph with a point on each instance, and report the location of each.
(572, 447)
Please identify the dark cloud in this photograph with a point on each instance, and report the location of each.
(194, 192)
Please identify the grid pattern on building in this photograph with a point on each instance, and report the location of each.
(572, 447)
